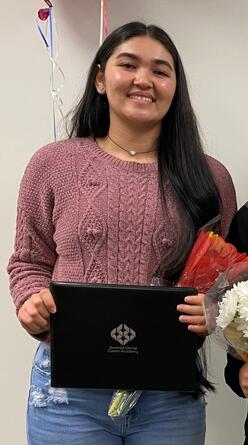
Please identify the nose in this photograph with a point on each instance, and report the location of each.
(143, 79)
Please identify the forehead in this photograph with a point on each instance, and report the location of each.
(144, 47)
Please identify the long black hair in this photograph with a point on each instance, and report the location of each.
(180, 155)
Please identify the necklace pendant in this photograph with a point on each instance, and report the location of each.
(132, 152)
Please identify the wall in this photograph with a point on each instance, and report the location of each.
(212, 37)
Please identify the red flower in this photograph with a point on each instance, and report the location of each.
(210, 256)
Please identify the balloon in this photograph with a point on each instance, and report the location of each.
(43, 14)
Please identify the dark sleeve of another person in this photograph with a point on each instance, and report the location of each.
(232, 374)
(238, 236)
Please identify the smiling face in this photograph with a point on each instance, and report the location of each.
(140, 82)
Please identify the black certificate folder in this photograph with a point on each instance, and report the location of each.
(111, 336)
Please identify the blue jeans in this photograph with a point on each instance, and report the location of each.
(58, 416)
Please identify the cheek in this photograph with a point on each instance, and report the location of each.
(168, 89)
(118, 83)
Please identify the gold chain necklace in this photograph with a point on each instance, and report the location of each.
(131, 152)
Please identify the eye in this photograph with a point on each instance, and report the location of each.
(128, 65)
(161, 73)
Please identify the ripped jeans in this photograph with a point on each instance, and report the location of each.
(72, 416)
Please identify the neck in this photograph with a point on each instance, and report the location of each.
(139, 140)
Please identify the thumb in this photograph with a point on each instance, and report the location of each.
(48, 300)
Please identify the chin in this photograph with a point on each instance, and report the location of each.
(142, 120)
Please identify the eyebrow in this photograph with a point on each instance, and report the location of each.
(137, 58)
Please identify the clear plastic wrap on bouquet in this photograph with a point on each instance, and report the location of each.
(123, 401)
(226, 309)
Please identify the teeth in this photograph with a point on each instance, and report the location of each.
(142, 98)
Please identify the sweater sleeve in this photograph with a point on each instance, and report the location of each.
(31, 265)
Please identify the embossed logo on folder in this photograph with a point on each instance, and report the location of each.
(123, 334)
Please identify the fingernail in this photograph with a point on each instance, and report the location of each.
(53, 310)
(187, 299)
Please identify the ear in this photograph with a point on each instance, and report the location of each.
(99, 80)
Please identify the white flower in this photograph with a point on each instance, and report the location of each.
(227, 309)
(242, 291)
(234, 307)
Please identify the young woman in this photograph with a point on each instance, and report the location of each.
(120, 201)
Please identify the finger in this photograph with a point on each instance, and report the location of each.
(31, 318)
(35, 308)
(48, 300)
(198, 329)
(190, 309)
(32, 327)
(195, 299)
(37, 303)
(194, 320)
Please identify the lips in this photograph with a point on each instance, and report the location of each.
(141, 97)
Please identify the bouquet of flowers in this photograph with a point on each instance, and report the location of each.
(209, 257)
(226, 306)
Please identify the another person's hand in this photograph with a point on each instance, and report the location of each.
(243, 379)
(193, 314)
(34, 314)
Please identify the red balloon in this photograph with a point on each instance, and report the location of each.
(43, 14)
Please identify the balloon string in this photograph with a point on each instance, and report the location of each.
(103, 21)
(52, 70)
(101, 24)
(49, 43)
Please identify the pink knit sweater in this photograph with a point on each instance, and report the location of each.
(86, 216)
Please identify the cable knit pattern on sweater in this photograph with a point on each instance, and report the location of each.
(86, 216)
